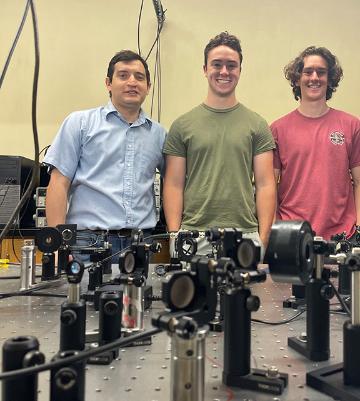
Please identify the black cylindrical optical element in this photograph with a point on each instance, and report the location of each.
(351, 354)
(317, 321)
(110, 312)
(290, 252)
(67, 383)
(72, 326)
(237, 335)
(48, 267)
(14, 353)
(63, 259)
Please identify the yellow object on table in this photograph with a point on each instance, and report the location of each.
(4, 263)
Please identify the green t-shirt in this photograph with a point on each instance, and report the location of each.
(219, 146)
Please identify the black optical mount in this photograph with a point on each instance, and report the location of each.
(194, 294)
(186, 245)
(318, 292)
(238, 305)
(135, 261)
(52, 239)
(342, 380)
(296, 256)
(73, 311)
(183, 247)
(110, 313)
(246, 254)
(230, 243)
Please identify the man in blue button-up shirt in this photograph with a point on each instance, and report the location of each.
(103, 160)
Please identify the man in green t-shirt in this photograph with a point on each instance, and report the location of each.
(214, 151)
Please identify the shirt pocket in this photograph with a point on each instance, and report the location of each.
(149, 162)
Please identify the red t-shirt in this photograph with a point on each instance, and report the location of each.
(314, 156)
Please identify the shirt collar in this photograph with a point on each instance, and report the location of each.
(142, 119)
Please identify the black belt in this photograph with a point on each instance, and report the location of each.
(123, 232)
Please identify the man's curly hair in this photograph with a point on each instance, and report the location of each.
(294, 69)
(223, 39)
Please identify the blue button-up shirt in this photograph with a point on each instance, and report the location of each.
(111, 165)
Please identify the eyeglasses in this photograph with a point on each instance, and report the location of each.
(320, 72)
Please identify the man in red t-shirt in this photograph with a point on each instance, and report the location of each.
(316, 149)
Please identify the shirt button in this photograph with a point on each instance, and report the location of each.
(129, 164)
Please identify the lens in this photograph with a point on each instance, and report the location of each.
(75, 268)
(129, 265)
(67, 235)
(182, 292)
(246, 254)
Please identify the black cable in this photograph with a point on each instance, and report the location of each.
(159, 79)
(25, 209)
(44, 294)
(24, 292)
(342, 302)
(35, 174)
(154, 86)
(18, 33)
(159, 29)
(281, 322)
(44, 149)
(338, 312)
(83, 355)
(138, 27)
(32, 290)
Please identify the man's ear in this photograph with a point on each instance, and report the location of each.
(205, 70)
(107, 83)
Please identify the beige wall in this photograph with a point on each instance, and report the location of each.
(78, 37)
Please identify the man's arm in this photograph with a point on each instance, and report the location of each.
(173, 192)
(265, 193)
(56, 198)
(355, 173)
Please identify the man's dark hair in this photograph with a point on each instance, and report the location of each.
(127, 56)
(223, 39)
(294, 69)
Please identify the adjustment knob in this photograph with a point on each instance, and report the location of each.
(253, 303)
(327, 292)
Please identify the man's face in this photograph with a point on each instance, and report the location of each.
(313, 81)
(128, 86)
(222, 70)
